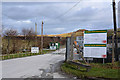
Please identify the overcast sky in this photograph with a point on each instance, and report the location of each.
(58, 17)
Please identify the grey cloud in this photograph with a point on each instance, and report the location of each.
(29, 10)
(84, 18)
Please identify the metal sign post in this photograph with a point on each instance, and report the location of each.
(103, 61)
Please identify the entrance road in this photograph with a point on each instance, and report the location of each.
(29, 66)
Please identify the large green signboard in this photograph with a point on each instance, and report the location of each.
(95, 42)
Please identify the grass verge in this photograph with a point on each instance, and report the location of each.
(97, 71)
(19, 55)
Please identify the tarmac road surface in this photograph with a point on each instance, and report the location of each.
(39, 66)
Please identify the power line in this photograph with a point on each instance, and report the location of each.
(69, 9)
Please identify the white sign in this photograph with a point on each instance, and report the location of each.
(95, 38)
(52, 47)
(95, 44)
(34, 49)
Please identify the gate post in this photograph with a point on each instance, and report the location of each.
(67, 55)
(71, 47)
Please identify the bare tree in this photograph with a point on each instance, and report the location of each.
(10, 34)
(28, 32)
(29, 35)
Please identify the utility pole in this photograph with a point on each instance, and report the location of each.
(42, 36)
(36, 34)
(119, 27)
(36, 28)
(115, 29)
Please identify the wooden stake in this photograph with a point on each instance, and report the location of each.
(113, 49)
(80, 53)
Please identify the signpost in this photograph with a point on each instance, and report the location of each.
(95, 44)
(34, 49)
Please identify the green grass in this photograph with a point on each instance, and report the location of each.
(98, 70)
(19, 55)
(47, 51)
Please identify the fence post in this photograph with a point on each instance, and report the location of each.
(113, 49)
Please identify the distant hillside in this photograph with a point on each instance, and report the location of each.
(79, 32)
